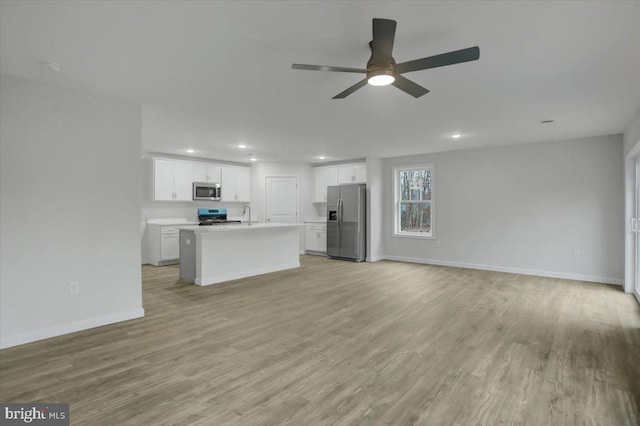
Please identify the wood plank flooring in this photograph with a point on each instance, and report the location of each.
(340, 343)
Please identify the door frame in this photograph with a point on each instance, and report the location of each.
(298, 201)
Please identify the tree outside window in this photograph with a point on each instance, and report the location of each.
(414, 201)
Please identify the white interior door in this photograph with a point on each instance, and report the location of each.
(281, 199)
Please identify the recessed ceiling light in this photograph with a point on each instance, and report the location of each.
(456, 135)
(242, 146)
(546, 121)
(190, 150)
(254, 159)
(322, 157)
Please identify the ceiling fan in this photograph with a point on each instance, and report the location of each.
(382, 69)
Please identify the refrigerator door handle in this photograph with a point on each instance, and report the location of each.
(339, 208)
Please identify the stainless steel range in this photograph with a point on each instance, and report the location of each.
(214, 217)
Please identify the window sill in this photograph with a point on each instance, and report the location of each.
(418, 236)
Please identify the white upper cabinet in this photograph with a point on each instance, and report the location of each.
(329, 176)
(323, 177)
(172, 180)
(243, 184)
(332, 177)
(352, 173)
(183, 178)
(163, 182)
(235, 183)
(360, 173)
(206, 173)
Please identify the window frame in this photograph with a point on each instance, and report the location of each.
(396, 202)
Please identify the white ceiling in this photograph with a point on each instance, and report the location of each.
(211, 75)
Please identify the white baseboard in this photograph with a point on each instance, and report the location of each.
(637, 294)
(244, 274)
(59, 330)
(510, 270)
(374, 258)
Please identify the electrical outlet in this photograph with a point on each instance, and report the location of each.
(577, 254)
(74, 287)
(188, 241)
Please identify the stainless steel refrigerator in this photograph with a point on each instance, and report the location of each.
(346, 216)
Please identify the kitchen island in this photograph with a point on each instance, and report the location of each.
(214, 254)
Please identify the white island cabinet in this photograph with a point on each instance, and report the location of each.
(214, 254)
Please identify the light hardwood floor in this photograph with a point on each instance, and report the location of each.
(336, 343)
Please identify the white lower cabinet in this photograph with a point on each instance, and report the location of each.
(315, 238)
(163, 244)
(169, 246)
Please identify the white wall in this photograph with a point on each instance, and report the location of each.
(69, 210)
(632, 134)
(375, 209)
(523, 209)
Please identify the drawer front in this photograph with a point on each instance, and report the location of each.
(169, 230)
(317, 226)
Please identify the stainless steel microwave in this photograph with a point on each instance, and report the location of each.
(206, 191)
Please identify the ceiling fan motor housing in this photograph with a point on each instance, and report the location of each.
(380, 66)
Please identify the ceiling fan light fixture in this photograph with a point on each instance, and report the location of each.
(381, 77)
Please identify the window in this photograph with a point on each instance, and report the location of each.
(414, 201)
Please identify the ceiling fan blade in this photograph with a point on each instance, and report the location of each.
(327, 68)
(450, 58)
(384, 32)
(350, 90)
(409, 86)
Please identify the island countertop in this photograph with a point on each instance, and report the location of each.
(237, 227)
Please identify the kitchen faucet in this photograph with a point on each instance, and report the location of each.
(247, 207)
